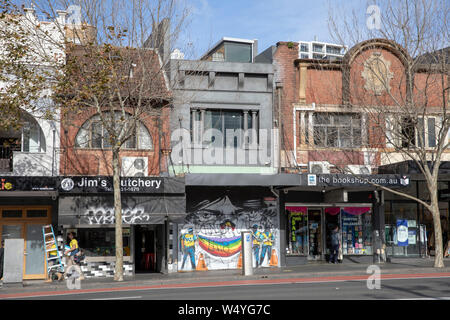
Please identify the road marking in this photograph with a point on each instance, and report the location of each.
(120, 298)
(438, 298)
(228, 284)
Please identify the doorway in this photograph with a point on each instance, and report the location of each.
(145, 249)
(315, 233)
(332, 220)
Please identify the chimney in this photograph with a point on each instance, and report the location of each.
(61, 19)
(30, 13)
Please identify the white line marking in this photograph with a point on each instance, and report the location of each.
(120, 298)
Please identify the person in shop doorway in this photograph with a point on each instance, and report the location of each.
(188, 247)
(334, 245)
(70, 253)
(2, 254)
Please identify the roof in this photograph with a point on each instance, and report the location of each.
(136, 65)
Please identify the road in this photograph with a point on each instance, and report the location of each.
(421, 288)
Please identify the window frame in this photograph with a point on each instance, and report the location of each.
(338, 126)
(89, 128)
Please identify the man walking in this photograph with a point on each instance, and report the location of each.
(334, 245)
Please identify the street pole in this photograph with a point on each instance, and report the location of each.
(247, 257)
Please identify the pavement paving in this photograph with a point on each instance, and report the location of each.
(403, 267)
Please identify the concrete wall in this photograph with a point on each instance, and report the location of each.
(224, 86)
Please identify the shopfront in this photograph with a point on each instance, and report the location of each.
(310, 229)
(26, 205)
(320, 203)
(149, 204)
(409, 225)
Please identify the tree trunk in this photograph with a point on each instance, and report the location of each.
(438, 251)
(118, 272)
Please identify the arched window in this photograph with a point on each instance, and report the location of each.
(92, 134)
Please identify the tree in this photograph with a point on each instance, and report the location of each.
(117, 53)
(26, 67)
(397, 101)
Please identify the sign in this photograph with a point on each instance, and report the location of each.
(412, 236)
(103, 184)
(18, 183)
(312, 180)
(402, 233)
(346, 180)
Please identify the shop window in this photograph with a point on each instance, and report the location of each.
(356, 230)
(403, 234)
(36, 213)
(99, 242)
(11, 213)
(298, 234)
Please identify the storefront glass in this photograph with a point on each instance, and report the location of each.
(306, 234)
(356, 230)
(100, 242)
(402, 232)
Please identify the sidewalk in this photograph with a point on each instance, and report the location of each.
(312, 270)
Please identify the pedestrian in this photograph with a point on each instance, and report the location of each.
(74, 249)
(2, 254)
(334, 245)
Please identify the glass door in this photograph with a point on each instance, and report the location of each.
(315, 233)
(34, 252)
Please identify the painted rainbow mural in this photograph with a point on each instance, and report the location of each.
(220, 247)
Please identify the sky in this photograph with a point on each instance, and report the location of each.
(268, 21)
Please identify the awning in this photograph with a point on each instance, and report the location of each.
(95, 210)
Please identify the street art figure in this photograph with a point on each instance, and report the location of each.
(257, 239)
(268, 240)
(188, 247)
(218, 223)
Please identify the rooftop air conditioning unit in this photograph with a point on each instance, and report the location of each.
(319, 167)
(134, 167)
(359, 169)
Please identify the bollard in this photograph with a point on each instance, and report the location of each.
(247, 254)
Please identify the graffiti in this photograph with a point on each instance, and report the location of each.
(212, 230)
(106, 216)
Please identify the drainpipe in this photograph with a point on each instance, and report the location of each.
(53, 155)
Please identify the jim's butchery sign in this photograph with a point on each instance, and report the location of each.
(102, 184)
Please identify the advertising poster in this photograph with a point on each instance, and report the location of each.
(402, 233)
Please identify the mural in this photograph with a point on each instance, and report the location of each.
(210, 237)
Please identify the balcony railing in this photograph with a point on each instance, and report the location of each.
(6, 158)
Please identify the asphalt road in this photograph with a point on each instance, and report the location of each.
(430, 288)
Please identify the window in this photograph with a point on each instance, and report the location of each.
(218, 56)
(317, 56)
(337, 130)
(98, 242)
(304, 47)
(304, 56)
(224, 128)
(317, 47)
(33, 139)
(94, 135)
(410, 134)
(333, 50)
(238, 52)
